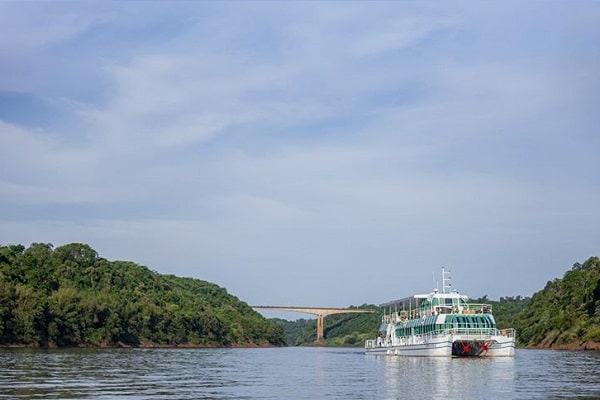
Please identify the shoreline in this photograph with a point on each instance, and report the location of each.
(573, 346)
(142, 346)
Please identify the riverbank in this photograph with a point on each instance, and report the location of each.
(573, 346)
(145, 346)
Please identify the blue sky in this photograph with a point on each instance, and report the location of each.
(307, 153)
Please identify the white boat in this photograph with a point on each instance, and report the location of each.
(440, 324)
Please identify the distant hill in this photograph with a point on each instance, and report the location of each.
(298, 332)
(69, 296)
(566, 313)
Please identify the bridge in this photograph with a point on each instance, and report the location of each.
(321, 313)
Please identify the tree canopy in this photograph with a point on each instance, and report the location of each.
(566, 313)
(69, 296)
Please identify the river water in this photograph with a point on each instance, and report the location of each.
(291, 373)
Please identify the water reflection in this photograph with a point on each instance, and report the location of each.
(412, 377)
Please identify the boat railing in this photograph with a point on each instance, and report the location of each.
(474, 308)
(479, 332)
(395, 317)
(467, 332)
(374, 343)
(510, 332)
(466, 308)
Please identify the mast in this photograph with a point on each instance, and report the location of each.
(446, 280)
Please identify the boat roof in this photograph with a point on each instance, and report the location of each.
(414, 301)
(401, 303)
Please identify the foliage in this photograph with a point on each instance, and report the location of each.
(506, 310)
(69, 296)
(297, 332)
(566, 311)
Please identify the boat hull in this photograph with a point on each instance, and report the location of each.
(440, 347)
(431, 349)
(483, 346)
(503, 348)
(450, 346)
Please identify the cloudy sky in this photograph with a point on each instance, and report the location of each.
(322, 154)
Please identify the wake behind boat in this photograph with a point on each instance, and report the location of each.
(441, 324)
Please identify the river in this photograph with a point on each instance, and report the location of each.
(291, 373)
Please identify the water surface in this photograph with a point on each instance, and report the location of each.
(291, 373)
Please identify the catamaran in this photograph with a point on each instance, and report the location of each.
(442, 324)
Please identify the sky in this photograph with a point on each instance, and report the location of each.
(307, 153)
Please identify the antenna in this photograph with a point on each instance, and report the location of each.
(446, 280)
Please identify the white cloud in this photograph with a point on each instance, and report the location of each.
(43, 26)
(28, 160)
(395, 34)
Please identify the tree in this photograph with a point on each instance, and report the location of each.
(69, 296)
(566, 312)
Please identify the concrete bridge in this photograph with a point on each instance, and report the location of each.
(321, 313)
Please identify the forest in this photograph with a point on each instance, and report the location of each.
(69, 296)
(566, 313)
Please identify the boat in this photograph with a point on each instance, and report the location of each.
(440, 324)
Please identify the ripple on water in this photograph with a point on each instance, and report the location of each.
(290, 373)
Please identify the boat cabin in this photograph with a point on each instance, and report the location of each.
(436, 312)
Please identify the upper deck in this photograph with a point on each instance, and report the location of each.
(434, 303)
(425, 305)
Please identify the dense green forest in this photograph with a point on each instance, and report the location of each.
(69, 296)
(565, 314)
(298, 332)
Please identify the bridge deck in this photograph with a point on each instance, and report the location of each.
(316, 310)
